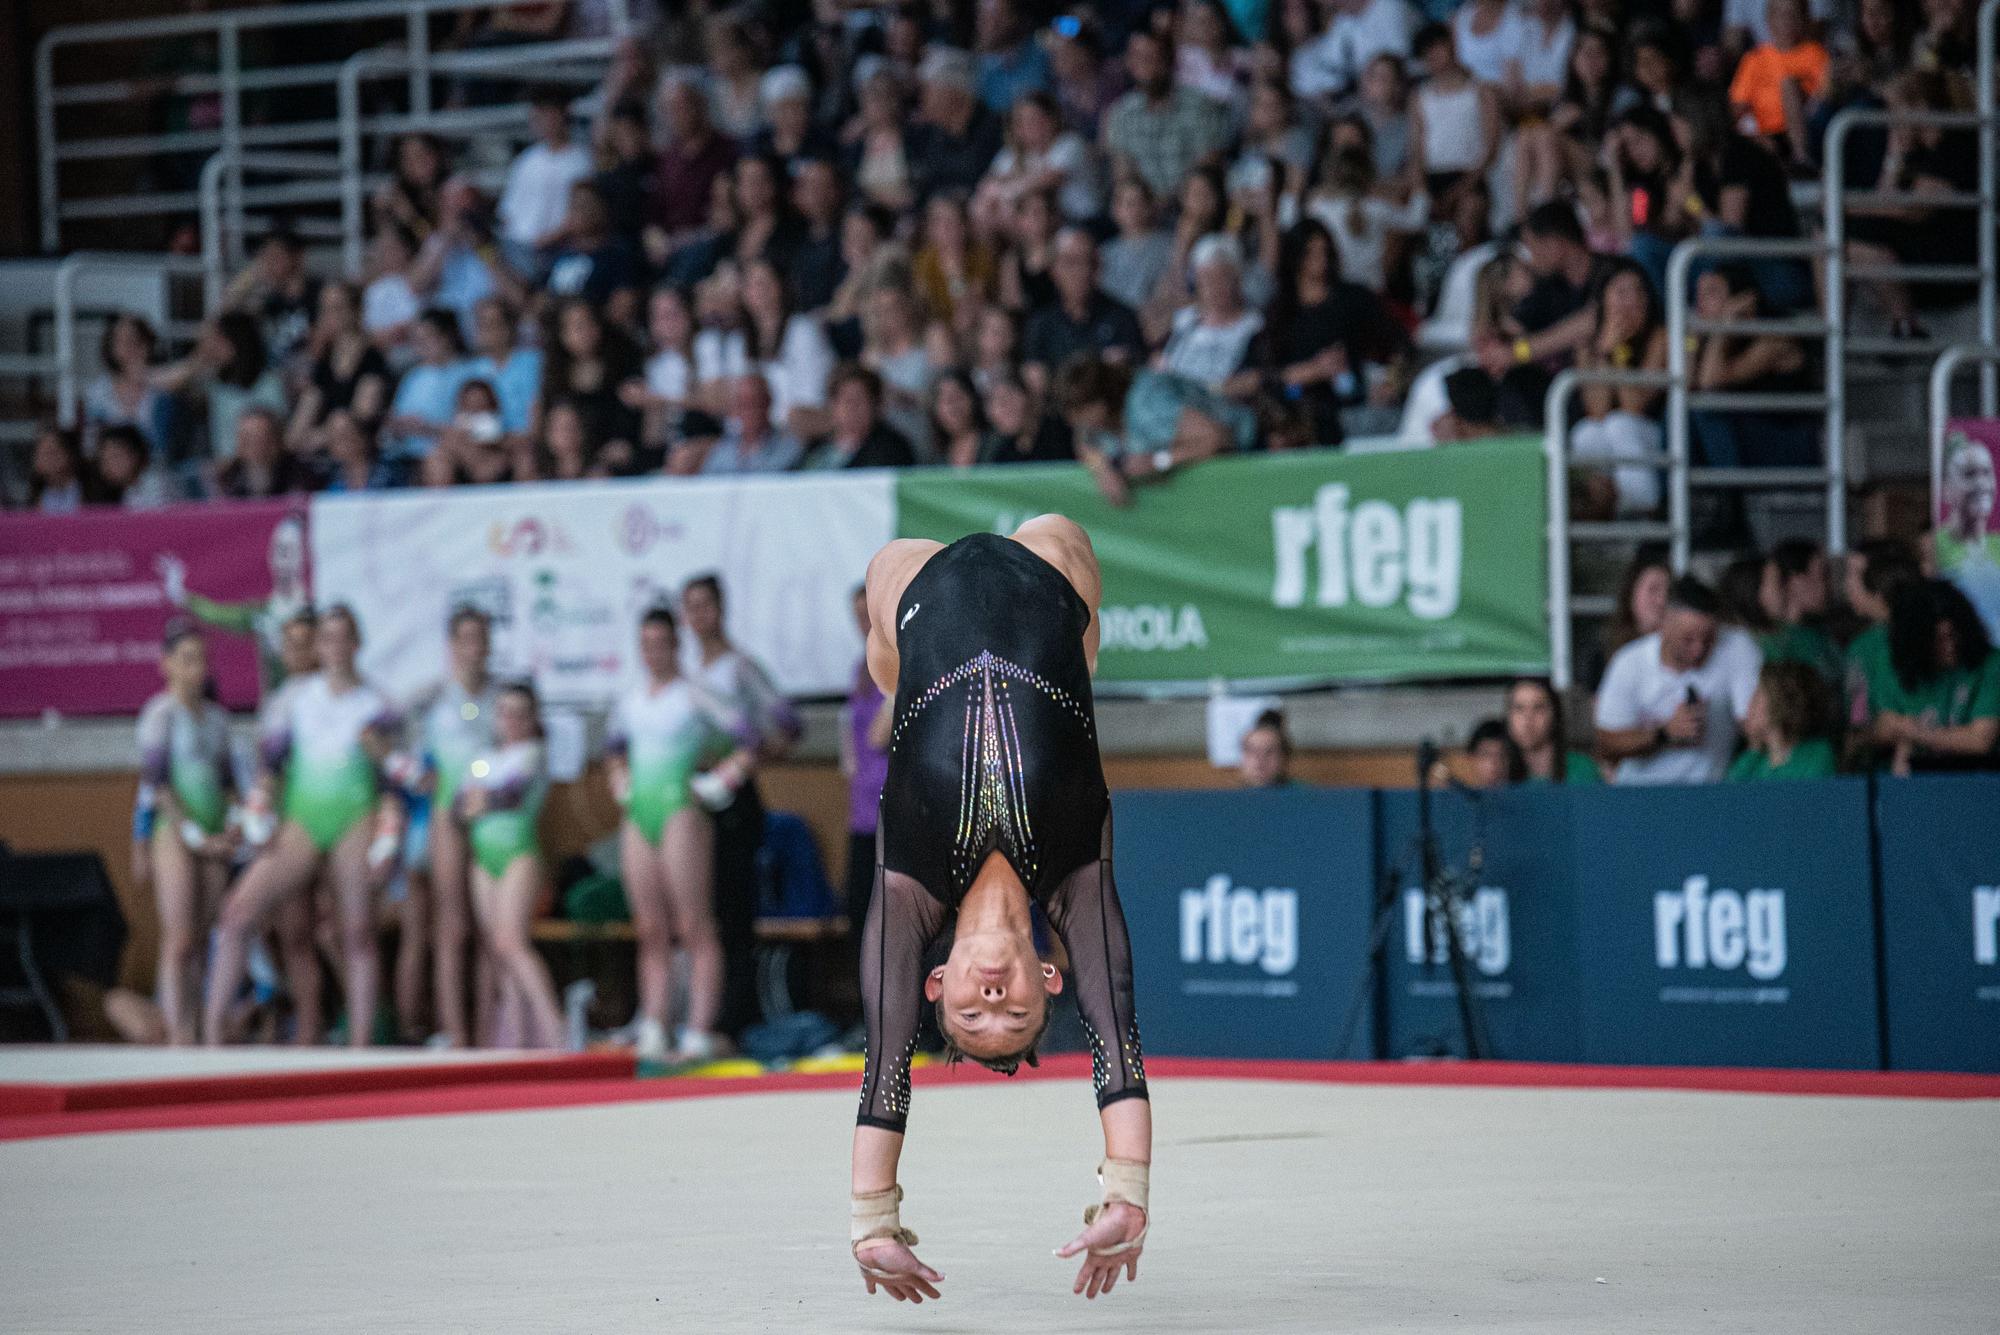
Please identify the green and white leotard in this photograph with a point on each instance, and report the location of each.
(454, 728)
(516, 782)
(668, 735)
(184, 752)
(315, 740)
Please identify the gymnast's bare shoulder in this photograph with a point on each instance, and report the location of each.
(889, 573)
(1056, 539)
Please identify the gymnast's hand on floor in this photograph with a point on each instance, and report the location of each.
(893, 1267)
(1119, 1223)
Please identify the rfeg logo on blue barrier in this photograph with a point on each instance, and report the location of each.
(1484, 933)
(1714, 936)
(1241, 928)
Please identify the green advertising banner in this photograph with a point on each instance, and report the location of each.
(1291, 568)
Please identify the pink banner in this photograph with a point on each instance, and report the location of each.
(85, 598)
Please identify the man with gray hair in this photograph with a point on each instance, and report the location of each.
(955, 138)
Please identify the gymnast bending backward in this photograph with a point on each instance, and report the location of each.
(995, 801)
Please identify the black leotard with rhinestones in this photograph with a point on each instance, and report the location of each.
(994, 751)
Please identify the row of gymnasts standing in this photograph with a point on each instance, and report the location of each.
(258, 865)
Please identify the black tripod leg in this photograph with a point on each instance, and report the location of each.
(1376, 971)
(1468, 1009)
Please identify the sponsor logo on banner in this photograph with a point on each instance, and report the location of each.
(1369, 552)
(1986, 936)
(1484, 933)
(1149, 628)
(1729, 944)
(1247, 938)
(640, 529)
(527, 536)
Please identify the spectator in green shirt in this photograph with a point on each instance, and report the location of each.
(1941, 706)
(1789, 726)
(1535, 725)
(1873, 570)
(1793, 595)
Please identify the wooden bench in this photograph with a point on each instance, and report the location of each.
(788, 931)
(776, 940)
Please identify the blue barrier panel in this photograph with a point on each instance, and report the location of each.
(1248, 913)
(1517, 925)
(1728, 926)
(1941, 920)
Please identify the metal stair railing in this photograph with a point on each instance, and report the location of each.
(1563, 606)
(224, 198)
(67, 372)
(231, 80)
(353, 127)
(1683, 398)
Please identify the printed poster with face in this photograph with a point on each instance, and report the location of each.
(1968, 520)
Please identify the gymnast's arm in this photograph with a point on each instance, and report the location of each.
(902, 922)
(1086, 914)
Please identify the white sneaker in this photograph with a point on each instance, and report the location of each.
(649, 1041)
(694, 1046)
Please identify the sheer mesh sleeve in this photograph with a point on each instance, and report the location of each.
(1085, 913)
(903, 921)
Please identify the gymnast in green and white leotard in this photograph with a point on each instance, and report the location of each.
(668, 737)
(499, 799)
(180, 839)
(453, 722)
(327, 742)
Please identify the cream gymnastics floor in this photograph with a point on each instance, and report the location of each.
(1279, 1206)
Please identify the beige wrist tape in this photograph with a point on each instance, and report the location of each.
(1124, 1180)
(877, 1216)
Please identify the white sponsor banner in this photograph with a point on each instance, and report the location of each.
(565, 569)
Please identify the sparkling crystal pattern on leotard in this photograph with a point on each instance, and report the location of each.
(993, 790)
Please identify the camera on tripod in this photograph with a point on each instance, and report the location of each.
(1447, 898)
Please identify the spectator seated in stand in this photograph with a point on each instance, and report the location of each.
(1940, 708)
(1672, 703)
(1792, 590)
(1267, 753)
(1129, 429)
(1788, 730)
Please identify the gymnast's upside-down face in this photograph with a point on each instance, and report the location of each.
(994, 993)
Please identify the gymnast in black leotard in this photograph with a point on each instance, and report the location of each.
(995, 799)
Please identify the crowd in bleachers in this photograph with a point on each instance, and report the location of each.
(1768, 676)
(1133, 235)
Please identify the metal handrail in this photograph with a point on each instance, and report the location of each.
(347, 92)
(1680, 391)
(219, 247)
(1838, 270)
(1555, 452)
(227, 27)
(65, 310)
(1940, 402)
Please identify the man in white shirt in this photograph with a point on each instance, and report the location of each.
(536, 198)
(1671, 702)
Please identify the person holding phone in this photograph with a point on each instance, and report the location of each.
(1673, 702)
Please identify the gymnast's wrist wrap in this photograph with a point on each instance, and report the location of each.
(1125, 1180)
(877, 1215)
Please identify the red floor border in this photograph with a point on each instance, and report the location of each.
(28, 1098)
(437, 1100)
